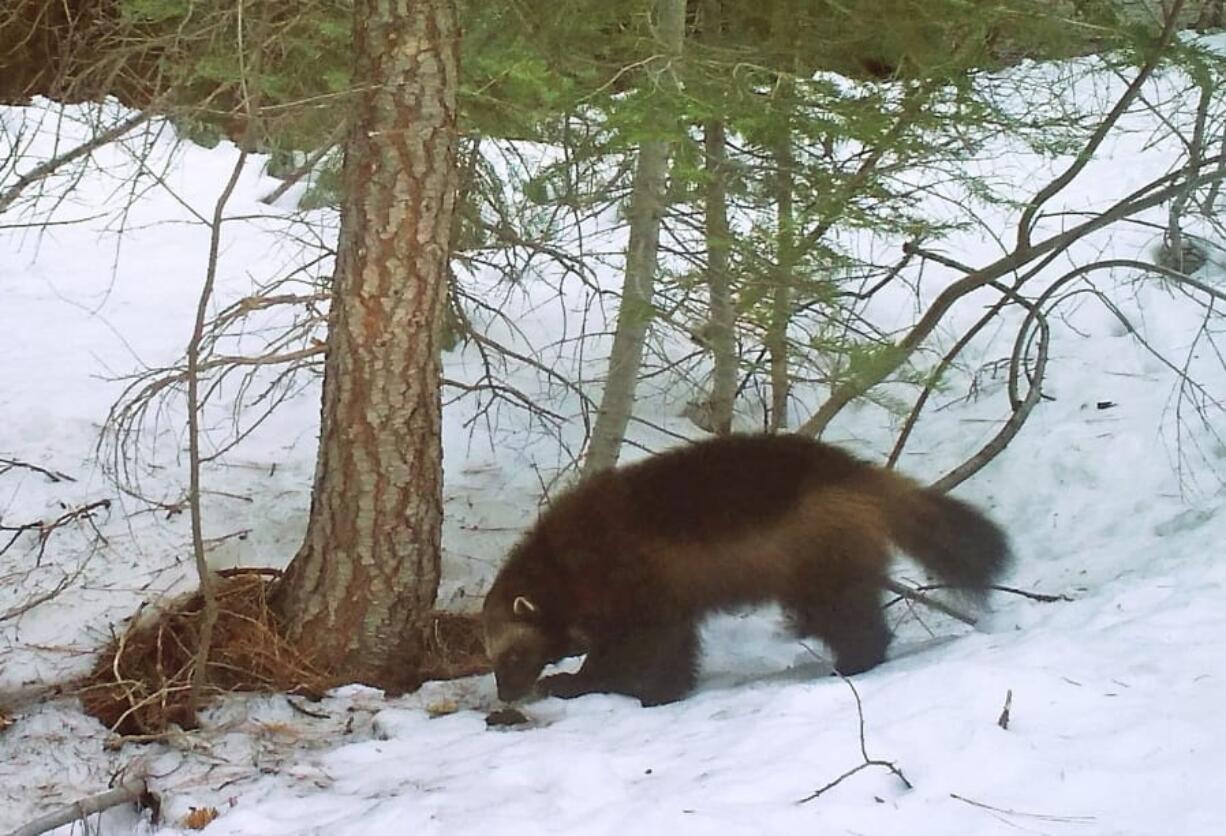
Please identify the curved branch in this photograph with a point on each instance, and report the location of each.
(1035, 317)
(941, 368)
(1001, 440)
(1148, 196)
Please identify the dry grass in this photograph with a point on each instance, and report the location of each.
(142, 680)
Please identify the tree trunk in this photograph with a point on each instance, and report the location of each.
(781, 287)
(634, 314)
(721, 336)
(365, 578)
(720, 332)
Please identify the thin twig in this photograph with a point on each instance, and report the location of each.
(209, 612)
(1033, 596)
(7, 464)
(868, 762)
(1007, 812)
(45, 529)
(39, 600)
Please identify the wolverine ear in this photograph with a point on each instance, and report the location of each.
(522, 606)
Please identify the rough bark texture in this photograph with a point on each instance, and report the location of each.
(634, 314)
(720, 335)
(366, 576)
(781, 290)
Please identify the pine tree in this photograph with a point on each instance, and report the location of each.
(361, 586)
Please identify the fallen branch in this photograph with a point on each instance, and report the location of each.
(916, 593)
(236, 571)
(130, 790)
(318, 715)
(912, 594)
(1033, 596)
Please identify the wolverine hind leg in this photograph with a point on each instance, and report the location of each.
(655, 663)
(838, 600)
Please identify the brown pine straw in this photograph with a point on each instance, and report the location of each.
(141, 681)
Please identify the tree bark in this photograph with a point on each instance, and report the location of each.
(785, 264)
(362, 584)
(635, 312)
(721, 336)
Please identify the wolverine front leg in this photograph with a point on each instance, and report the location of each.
(589, 679)
(654, 663)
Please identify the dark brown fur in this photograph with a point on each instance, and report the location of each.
(626, 564)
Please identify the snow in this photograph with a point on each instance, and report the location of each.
(1115, 726)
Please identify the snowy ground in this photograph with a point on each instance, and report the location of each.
(1116, 721)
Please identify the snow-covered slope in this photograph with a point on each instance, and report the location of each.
(1116, 724)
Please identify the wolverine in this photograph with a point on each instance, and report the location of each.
(625, 565)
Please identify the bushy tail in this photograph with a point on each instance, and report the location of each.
(949, 537)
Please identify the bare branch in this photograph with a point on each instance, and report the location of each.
(1001, 440)
(1152, 194)
(7, 464)
(46, 528)
(21, 609)
(209, 612)
(49, 167)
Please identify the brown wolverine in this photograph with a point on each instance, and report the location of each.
(625, 564)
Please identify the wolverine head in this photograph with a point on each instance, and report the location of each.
(518, 641)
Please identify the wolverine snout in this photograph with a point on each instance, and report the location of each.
(508, 695)
(512, 687)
